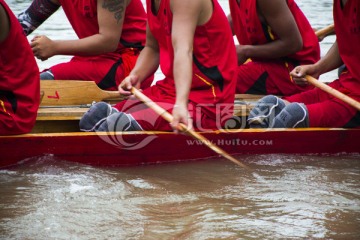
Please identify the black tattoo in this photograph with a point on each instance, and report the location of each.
(115, 6)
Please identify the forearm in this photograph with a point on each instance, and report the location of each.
(330, 61)
(182, 75)
(93, 45)
(34, 16)
(146, 64)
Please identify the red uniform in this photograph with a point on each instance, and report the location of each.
(214, 66)
(324, 109)
(19, 81)
(108, 69)
(264, 76)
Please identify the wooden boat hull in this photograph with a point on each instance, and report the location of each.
(137, 148)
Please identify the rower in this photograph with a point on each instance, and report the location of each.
(276, 37)
(19, 77)
(317, 108)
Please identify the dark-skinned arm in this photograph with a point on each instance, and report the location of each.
(279, 17)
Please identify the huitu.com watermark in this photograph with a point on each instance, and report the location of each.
(230, 142)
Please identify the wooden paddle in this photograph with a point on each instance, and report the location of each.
(168, 117)
(69, 92)
(325, 31)
(333, 92)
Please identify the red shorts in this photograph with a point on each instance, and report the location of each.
(267, 77)
(150, 120)
(106, 71)
(328, 111)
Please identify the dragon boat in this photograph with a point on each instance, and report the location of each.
(56, 133)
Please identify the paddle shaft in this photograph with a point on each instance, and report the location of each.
(325, 31)
(168, 117)
(333, 92)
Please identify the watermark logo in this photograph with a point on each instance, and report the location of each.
(232, 142)
(119, 125)
(122, 122)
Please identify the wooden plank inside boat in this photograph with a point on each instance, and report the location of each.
(51, 119)
(58, 119)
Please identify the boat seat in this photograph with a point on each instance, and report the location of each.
(242, 106)
(66, 118)
(75, 113)
(61, 113)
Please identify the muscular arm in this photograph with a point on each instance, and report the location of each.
(4, 24)
(110, 15)
(187, 14)
(279, 17)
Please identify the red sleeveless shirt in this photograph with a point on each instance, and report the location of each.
(347, 28)
(250, 31)
(82, 15)
(214, 57)
(19, 81)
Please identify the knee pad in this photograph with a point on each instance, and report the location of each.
(294, 115)
(264, 112)
(47, 75)
(36, 14)
(95, 116)
(119, 122)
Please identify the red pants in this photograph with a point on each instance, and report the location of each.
(267, 77)
(328, 111)
(150, 120)
(106, 71)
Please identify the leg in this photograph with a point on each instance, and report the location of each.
(119, 121)
(95, 116)
(262, 115)
(47, 75)
(98, 69)
(260, 77)
(294, 115)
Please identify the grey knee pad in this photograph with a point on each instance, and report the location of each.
(95, 116)
(294, 115)
(119, 122)
(264, 112)
(47, 75)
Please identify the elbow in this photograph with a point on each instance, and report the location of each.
(111, 46)
(109, 43)
(296, 45)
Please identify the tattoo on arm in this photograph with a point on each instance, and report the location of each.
(115, 6)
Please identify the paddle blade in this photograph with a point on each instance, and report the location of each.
(70, 92)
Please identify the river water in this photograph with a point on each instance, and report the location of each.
(289, 197)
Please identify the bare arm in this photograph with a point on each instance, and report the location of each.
(4, 24)
(187, 14)
(231, 23)
(185, 18)
(330, 61)
(279, 17)
(110, 18)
